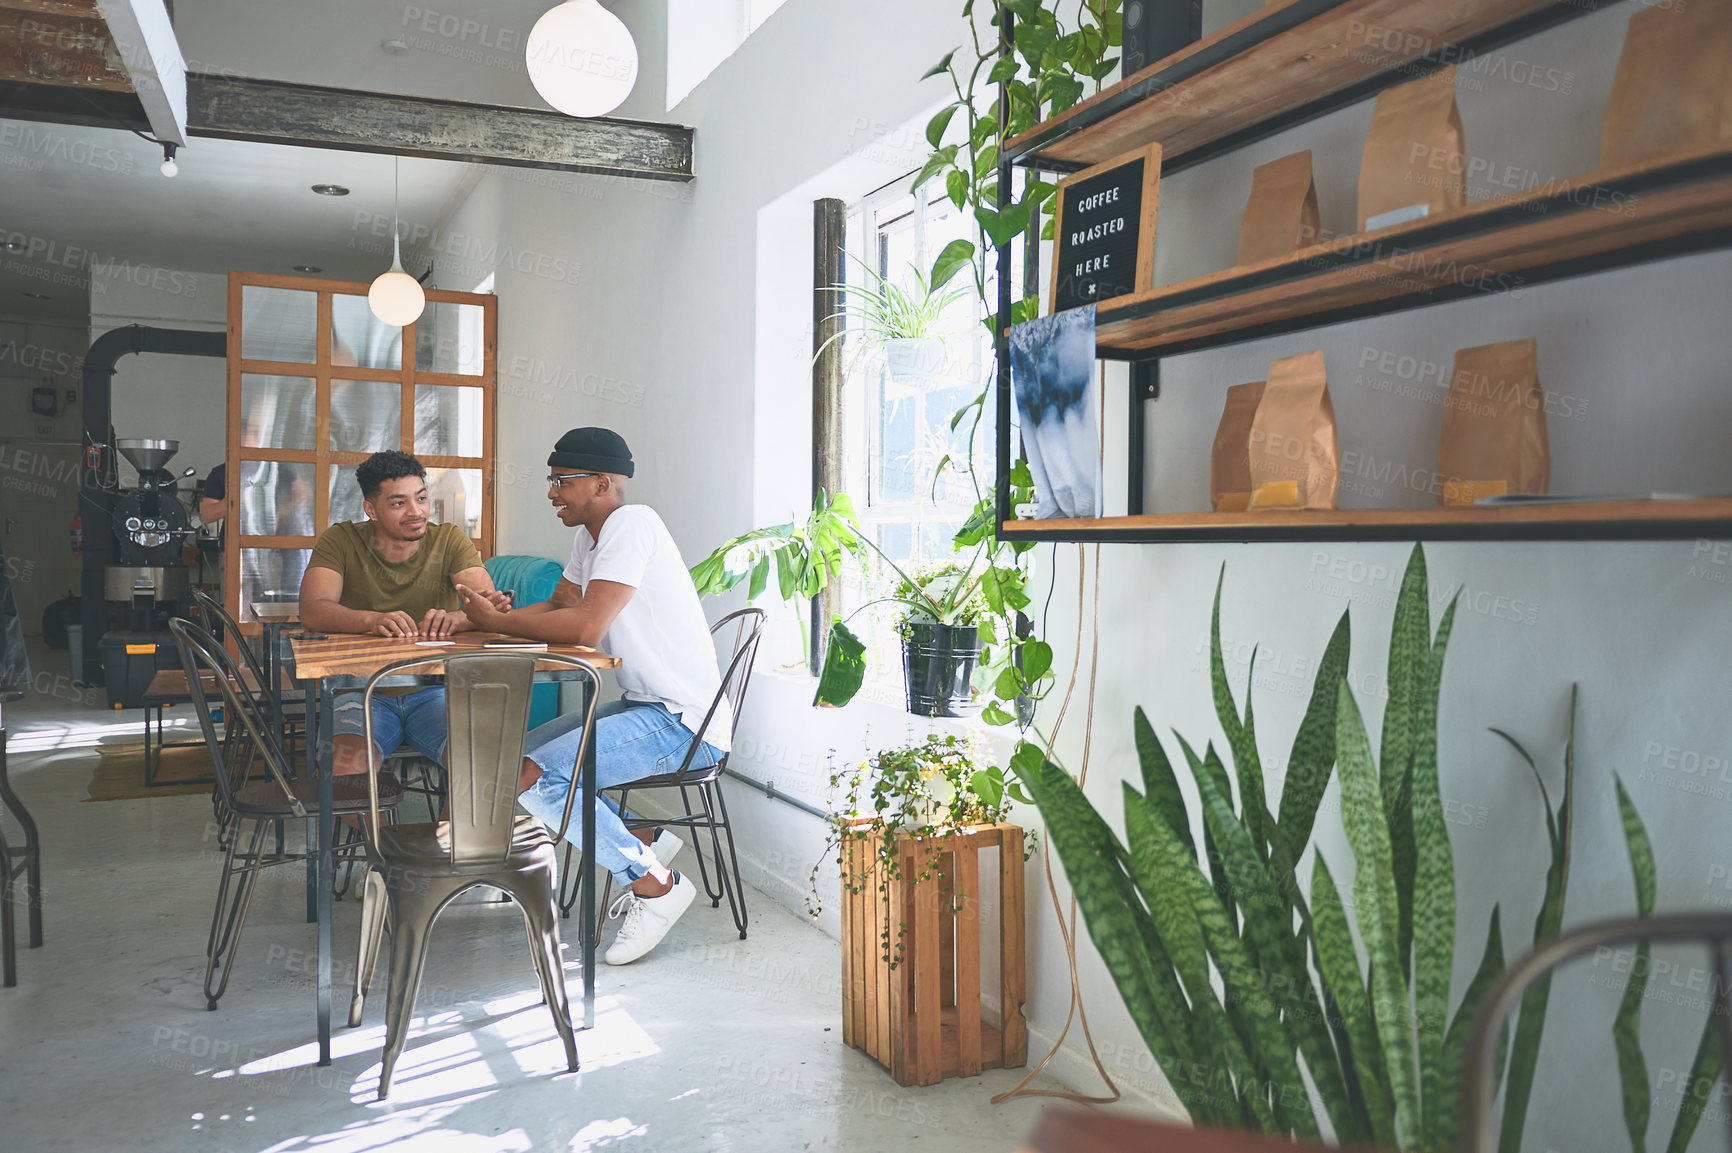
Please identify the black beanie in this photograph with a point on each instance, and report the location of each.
(592, 450)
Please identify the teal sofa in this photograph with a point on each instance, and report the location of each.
(530, 580)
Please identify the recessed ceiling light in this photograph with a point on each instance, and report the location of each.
(12, 244)
(330, 190)
(308, 268)
(37, 295)
(394, 47)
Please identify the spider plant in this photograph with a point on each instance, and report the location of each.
(879, 310)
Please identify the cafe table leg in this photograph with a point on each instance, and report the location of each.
(326, 788)
(312, 831)
(586, 876)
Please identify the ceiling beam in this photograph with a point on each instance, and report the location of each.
(61, 45)
(273, 112)
(63, 104)
(144, 35)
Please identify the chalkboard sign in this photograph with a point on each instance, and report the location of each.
(1104, 230)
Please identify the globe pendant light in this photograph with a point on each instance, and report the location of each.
(396, 297)
(581, 58)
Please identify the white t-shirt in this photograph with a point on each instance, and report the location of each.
(660, 636)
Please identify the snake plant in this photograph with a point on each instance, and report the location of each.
(1228, 964)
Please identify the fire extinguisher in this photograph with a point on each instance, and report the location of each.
(77, 535)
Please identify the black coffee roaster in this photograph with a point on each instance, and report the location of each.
(133, 578)
(147, 582)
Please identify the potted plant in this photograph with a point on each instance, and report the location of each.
(907, 323)
(907, 826)
(927, 789)
(941, 643)
(983, 595)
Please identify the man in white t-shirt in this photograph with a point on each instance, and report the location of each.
(625, 590)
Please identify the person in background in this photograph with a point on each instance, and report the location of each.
(213, 497)
(627, 585)
(392, 575)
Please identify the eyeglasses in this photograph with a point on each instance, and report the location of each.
(557, 480)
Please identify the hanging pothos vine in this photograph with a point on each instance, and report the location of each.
(997, 96)
(1052, 66)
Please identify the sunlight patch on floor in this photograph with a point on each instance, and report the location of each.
(49, 736)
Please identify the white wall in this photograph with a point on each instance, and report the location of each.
(39, 460)
(686, 331)
(1636, 363)
(162, 397)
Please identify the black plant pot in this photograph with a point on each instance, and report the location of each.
(937, 665)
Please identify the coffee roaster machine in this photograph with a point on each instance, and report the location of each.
(134, 577)
(147, 581)
(150, 527)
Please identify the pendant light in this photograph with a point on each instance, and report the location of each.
(581, 58)
(396, 297)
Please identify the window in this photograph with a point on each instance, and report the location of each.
(896, 430)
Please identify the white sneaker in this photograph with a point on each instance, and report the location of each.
(666, 848)
(647, 920)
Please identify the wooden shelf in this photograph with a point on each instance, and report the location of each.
(1607, 520)
(1283, 65)
(1587, 224)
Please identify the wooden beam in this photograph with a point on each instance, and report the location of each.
(64, 104)
(829, 236)
(59, 48)
(144, 36)
(74, 8)
(273, 112)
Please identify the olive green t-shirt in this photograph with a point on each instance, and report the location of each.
(373, 584)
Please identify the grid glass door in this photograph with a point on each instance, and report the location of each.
(317, 383)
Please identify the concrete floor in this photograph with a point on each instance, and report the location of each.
(710, 1043)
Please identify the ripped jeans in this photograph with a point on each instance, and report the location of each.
(633, 740)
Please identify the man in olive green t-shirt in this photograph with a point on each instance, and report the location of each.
(391, 575)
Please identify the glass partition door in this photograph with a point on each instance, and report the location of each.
(317, 383)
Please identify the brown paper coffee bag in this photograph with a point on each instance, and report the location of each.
(1295, 457)
(1415, 157)
(1281, 214)
(1494, 425)
(1230, 467)
(1672, 92)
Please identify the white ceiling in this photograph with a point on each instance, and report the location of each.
(249, 206)
(233, 205)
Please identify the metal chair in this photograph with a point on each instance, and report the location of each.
(246, 742)
(28, 866)
(748, 629)
(1480, 1080)
(416, 870)
(294, 712)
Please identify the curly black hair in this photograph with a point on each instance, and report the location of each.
(373, 472)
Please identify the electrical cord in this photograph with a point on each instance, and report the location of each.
(1067, 932)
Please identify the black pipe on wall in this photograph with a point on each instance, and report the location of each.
(99, 472)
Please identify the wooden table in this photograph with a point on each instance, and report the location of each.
(169, 687)
(343, 662)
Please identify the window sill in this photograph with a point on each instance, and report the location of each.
(888, 696)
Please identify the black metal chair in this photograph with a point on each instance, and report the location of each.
(246, 743)
(748, 630)
(15, 863)
(1479, 1089)
(294, 709)
(416, 870)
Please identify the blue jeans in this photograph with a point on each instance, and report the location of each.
(633, 740)
(415, 719)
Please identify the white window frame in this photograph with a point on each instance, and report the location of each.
(865, 391)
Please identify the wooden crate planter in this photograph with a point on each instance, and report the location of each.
(922, 1020)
